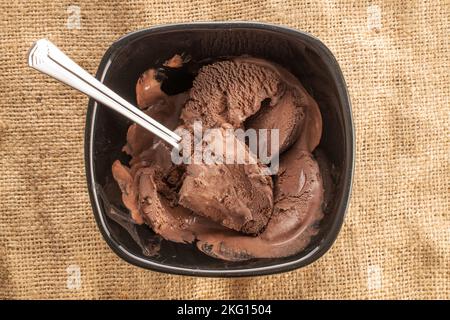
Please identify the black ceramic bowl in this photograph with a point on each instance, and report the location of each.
(305, 56)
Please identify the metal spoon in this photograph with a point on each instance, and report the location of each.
(44, 56)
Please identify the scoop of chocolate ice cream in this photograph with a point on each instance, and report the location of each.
(236, 195)
(230, 92)
(147, 197)
(298, 200)
(172, 222)
(266, 94)
(294, 114)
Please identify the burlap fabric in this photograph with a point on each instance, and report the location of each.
(396, 239)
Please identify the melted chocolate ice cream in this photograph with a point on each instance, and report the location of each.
(229, 211)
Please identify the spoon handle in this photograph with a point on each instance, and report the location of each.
(44, 56)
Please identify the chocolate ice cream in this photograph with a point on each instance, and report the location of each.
(230, 92)
(230, 211)
(238, 196)
(298, 199)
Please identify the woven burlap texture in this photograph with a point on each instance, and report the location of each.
(395, 242)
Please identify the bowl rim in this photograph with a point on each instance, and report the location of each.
(349, 136)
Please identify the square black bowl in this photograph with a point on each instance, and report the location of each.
(304, 55)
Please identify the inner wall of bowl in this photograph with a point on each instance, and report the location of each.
(143, 52)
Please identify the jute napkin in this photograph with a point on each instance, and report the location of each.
(396, 239)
